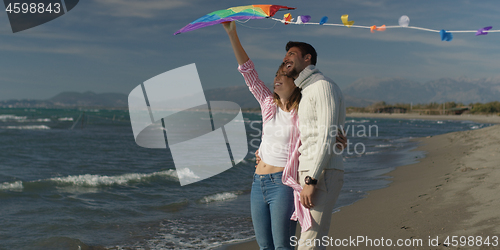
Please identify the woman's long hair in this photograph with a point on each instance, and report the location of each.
(294, 100)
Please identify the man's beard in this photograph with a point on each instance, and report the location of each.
(294, 73)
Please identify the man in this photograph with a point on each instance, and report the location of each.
(321, 112)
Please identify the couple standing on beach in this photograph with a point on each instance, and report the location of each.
(299, 175)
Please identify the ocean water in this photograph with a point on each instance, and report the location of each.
(73, 178)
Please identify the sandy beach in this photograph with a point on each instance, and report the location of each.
(449, 200)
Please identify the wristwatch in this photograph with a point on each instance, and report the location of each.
(310, 181)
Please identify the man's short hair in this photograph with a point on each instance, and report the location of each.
(305, 49)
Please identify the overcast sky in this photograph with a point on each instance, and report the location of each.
(114, 45)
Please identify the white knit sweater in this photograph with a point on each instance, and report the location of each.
(321, 112)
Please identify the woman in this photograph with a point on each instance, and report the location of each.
(272, 197)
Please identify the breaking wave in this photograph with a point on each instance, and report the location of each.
(36, 127)
(220, 197)
(89, 180)
(13, 186)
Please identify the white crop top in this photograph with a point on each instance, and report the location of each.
(275, 146)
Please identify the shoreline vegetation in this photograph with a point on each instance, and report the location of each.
(447, 108)
(480, 118)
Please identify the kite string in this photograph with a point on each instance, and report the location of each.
(250, 27)
(329, 24)
(247, 19)
(239, 21)
(387, 27)
(470, 31)
(419, 28)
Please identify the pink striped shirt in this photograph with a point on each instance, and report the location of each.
(268, 107)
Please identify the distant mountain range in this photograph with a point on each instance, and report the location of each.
(361, 93)
(73, 99)
(400, 90)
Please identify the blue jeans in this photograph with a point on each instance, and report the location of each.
(272, 206)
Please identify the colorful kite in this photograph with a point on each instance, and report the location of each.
(267, 11)
(232, 14)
